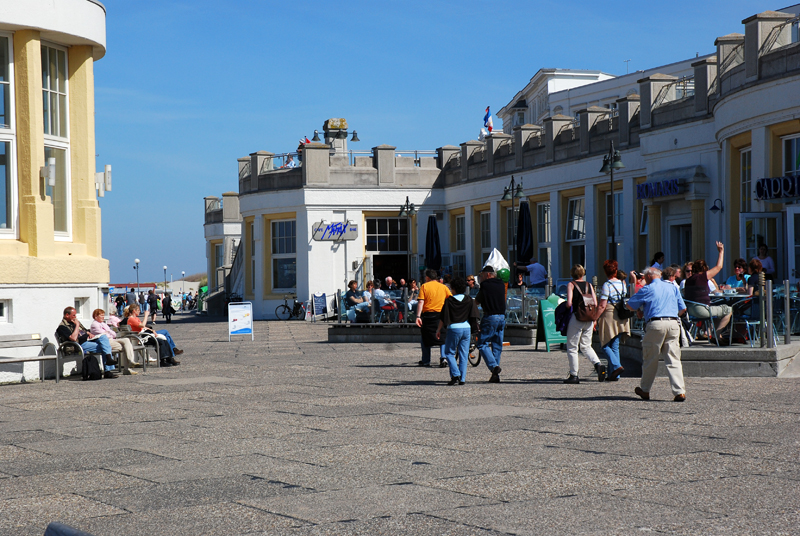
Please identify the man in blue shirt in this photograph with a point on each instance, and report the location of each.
(662, 304)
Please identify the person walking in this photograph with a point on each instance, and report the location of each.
(579, 332)
(492, 299)
(662, 304)
(459, 316)
(610, 327)
(166, 308)
(429, 306)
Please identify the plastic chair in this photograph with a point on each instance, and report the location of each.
(706, 321)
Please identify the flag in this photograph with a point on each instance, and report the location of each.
(307, 140)
(487, 120)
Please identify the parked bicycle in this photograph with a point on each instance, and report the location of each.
(284, 312)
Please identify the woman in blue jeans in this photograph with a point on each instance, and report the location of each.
(459, 316)
(610, 327)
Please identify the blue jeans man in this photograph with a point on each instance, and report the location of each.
(171, 343)
(457, 344)
(490, 343)
(100, 345)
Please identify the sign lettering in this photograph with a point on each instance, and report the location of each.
(649, 190)
(333, 232)
(778, 188)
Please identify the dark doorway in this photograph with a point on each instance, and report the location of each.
(390, 265)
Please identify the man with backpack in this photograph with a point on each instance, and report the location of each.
(492, 299)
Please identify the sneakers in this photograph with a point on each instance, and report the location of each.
(601, 371)
(644, 395)
(615, 374)
(495, 375)
(129, 372)
(572, 379)
(680, 398)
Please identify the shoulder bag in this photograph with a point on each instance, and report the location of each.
(620, 307)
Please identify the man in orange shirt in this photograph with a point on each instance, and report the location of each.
(429, 307)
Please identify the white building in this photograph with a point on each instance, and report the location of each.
(699, 139)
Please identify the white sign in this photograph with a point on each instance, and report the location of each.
(240, 319)
(334, 231)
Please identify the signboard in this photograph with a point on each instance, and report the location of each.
(546, 331)
(240, 319)
(649, 190)
(333, 232)
(778, 188)
(320, 304)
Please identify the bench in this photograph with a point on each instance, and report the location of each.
(30, 340)
(139, 341)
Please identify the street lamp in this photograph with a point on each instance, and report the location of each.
(165, 281)
(136, 267)
(510, 193)
(407, 211)
(612, 161)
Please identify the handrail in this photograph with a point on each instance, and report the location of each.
(772, 37)
(683, 85)
(735, 57)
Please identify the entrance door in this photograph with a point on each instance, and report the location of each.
(793, 242)
(680, 243)
(390, 265)
(756, 228)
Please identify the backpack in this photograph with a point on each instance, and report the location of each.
(584, 306)
(623, 312)
(91, 369)
(561, 317)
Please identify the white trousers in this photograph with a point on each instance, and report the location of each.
(662, 340)
(579, 338)
(123, 345)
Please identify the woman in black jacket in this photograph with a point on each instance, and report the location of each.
(460, 316)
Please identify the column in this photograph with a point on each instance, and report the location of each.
(556, 235)
(654, 230)
(699, 228)
(630, 233)
(592, 247)
(469, 240)
(86, 224)
(35, 210)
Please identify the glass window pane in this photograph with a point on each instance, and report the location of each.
(62, 71)
(55, 127)
(4, 59)
(45, 69)
(52, 70)
(372, 226)
(62, 115)
(383, 226)
(403, 226)
(5, 188)
(284, 273)
(393, 227)
(394, 244)
(58, 193)
(372, 243)
(403, 246)
(5, 100)
(46, 114)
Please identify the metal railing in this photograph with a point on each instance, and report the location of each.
(734, 58)
(683, 87)
(244, 171)
(773, 41)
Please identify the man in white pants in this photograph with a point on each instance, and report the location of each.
(662, 304)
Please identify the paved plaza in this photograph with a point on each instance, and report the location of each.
(292, 435)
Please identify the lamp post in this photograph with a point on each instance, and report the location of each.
(165, 281)
(136, 267)
(510, 193)
(407, 211)
(612, 161)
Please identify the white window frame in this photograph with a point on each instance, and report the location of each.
(544, 235)
(219, 261)
(486, 249)
(746, 180)
(784, 139)
(6, 312)
(49, 137)
(581, 228)
(459, 264)
(274, 256)
(618, 213)
(80, 305)
(9, 135)
(64, 236)
(461, 232)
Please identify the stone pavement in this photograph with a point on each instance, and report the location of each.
(293, 435)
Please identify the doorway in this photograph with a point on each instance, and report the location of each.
(757, 228)
(681, 242)
(390, 265)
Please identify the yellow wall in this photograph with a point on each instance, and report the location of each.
(36, 258)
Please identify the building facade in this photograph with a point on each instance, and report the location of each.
(709, 145)
(50, 229)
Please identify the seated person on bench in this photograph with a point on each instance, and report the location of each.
(71, 329)
(166, 345)
(99, 327)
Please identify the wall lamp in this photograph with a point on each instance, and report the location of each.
(48, 172)
(714, 209)
(102, 181)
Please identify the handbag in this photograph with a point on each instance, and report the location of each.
(620, 307)
(585, 308)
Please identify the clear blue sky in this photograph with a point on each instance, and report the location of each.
(187, 87)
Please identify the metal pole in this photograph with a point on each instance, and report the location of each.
(761, 307)
(549, 287)
(787, 313)
(407, 312)
(372, 309)
(524, 304)
(770, 338)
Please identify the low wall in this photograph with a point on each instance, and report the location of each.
(396, 333)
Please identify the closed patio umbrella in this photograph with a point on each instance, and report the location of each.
(524, 234)
(433, 250)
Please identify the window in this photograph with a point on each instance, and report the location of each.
(643, 223)
(54, 91)
(543, 234)
(459, 263)
(7, 205)
(284, 255)
(617, 222)
(558, 110)
(81, 307)
(745, 173)
(59, 194)
(6, 116)
(511, 234)
(5, 311)
(485, 236)
(461, 237)
(576, 231)
(519, 118)
(218, 262)
(387, 234)
(791, 156)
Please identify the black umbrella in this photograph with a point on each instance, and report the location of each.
(524, 234)
(433, 251)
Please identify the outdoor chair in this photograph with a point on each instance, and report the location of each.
(748, 314)
(708, 322)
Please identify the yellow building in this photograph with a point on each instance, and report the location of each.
(50, 240)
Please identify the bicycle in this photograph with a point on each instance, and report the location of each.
(475, 359)
(284, 312)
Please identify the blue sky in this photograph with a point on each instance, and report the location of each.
(186, 88)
